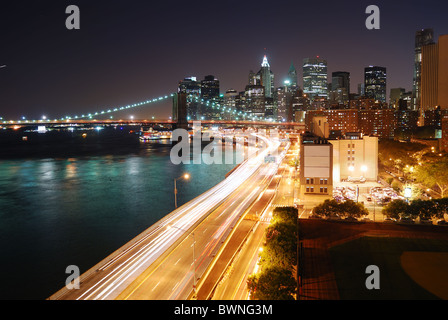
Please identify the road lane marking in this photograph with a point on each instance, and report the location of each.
(174, 288)
(155, 286)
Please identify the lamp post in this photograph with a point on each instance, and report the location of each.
(194, 259)
(374, 205)
(186, 177)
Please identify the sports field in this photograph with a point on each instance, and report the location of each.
(412, 261)
(409, 268)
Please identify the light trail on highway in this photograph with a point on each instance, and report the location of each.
(115, 275)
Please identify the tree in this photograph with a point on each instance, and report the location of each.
(280, 249)
(389, 180)
(425, 209)
(398, 154)
(396, 208)
(329, 208)
(396, 186)
(434, 173)
(442, 206)
(353, 209)
(349, 208)
(274, 283)
(295, 163)
(288, 215)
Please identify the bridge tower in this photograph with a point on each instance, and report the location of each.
(180, 111)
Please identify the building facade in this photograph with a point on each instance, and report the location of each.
(210, 88)
(315, 78)
(422, 37)
(266, 78)
(340, 87)
(255, 100)
(354, 156)
(375, 81)
(434, 75)
(192, 89)
(292, 76)
(444, 139)
(316, 163)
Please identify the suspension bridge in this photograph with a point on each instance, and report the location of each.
(114, 115)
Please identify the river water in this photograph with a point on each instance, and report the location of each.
(76, 211)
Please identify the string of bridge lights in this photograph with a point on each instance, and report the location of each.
(91, 115)
(216, 105)
(88, 116)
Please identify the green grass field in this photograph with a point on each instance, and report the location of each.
(351, 259)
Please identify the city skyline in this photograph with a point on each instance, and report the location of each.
(225, 151)
(116, 58)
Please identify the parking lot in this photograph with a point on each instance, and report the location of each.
(373, 195)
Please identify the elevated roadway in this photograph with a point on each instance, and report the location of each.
(159, 264)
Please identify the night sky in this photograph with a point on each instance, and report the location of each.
(130, 51)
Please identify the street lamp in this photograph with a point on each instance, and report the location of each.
(194, 259)
(186, 177)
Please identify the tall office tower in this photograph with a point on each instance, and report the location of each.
(395, 96)
(190, 86)
(210, 88)
(284, 104)
(266, 78)
(340, 87)
(361, 89)
(434, 75)
(255, 100)
(254, 79)
(192, 89)
(230, 101)
(422, 37)
(315, 78)
(375, 80)
(292, 76)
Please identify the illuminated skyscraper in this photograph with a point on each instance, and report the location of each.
(375, 80)
(292, 76)
(266, 77)
(422, 37)
(315, 83)
(255, 100)
(191, 88)
(210, 88)
(434, 75)
(340, 87)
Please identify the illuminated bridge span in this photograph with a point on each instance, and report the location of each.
(231, 115)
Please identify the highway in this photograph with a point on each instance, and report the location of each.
(234, 287)
(158, 265)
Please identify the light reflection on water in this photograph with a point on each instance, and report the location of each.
(59, 212)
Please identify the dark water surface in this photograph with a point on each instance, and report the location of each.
(76, 211)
